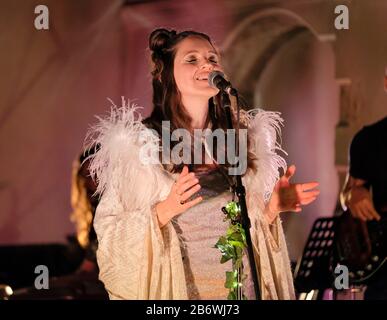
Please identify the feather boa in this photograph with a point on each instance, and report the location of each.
(263, 129)
(122, 139)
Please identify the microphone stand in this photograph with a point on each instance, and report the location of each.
(240, 191)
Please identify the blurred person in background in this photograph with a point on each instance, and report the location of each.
(365, 190)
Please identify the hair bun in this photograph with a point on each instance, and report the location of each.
(160, 39)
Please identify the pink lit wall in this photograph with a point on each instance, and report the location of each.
(299, 82)
(53, 83)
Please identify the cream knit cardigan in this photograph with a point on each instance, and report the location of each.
(137, 259)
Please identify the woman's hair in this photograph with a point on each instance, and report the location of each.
(167, 102)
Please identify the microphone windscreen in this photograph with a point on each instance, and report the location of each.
(212, 76)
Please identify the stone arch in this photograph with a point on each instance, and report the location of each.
(279, 62)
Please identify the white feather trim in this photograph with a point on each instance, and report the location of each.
(263, 129)
(127, 156)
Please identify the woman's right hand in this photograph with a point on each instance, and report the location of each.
(184, 187)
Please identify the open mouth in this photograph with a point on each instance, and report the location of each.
(202, 77)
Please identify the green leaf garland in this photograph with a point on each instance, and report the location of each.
(232, 246)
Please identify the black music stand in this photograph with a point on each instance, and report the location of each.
(314, 269)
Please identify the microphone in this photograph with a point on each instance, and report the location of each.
(216, 79)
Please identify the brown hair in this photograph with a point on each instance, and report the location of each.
(167, 103)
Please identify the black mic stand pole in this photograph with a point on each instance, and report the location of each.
(240, 191)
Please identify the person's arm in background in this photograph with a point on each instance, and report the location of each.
(355, 194)
(357, 198)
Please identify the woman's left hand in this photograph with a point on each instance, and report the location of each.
(288, 196)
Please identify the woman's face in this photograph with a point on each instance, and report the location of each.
(195, 58)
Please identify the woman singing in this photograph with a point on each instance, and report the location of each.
(158, 221)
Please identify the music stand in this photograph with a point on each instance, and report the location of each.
(314, 269)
